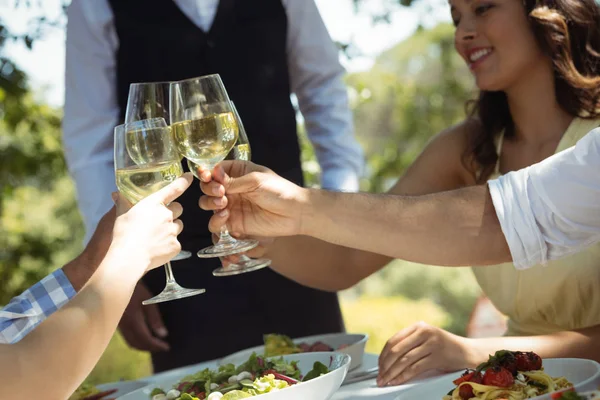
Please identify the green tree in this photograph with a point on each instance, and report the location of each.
(415, 90)
(40, 227)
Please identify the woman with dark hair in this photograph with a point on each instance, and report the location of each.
(537, 66)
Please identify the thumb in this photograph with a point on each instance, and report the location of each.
(122, 204)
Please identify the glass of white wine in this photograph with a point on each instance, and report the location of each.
(149, 100)
(241, 151)
(205, 131)
(146, 160)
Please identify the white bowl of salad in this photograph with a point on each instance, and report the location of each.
(352, 344)
(314, 376)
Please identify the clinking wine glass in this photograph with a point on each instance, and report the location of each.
(149, 100)
(205, 130)
(241, 151)
(146, 160)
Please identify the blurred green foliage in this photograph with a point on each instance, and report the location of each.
(40, 226)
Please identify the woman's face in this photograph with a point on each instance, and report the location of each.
(495, 39)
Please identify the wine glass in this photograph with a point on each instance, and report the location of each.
(205, 131)
(149, 100)
(241, 151)
(146, 160)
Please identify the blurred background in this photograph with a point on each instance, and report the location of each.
(406, 83)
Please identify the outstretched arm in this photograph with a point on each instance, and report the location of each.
(61, 352)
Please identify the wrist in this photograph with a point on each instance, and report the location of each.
(309, 206)
(475, 352)
(79, 270)
(129, 262)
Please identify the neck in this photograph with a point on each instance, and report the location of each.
(537, 116)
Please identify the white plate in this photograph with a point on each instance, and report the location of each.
(356, 347)
(123, 387)
(321, 388)
(583, 374)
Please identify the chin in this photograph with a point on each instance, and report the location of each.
(488, 85)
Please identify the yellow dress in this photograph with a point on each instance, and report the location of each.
(563, 295)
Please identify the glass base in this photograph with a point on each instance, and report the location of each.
(241, 267)
(227, 249)
(182, 255)
(173, 292)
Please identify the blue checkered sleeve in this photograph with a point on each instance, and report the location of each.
(34, 305)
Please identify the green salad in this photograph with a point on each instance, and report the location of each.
(252, 378)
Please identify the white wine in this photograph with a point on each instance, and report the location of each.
(206, 141)
(242, 152)
(239, 152)
(147, 146)
(137, 182)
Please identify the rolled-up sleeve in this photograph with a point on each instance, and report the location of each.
(33, 306)
(551, 209)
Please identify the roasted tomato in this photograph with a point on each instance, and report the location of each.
(528, 361)
(498, 376)
(469, 376)
(466, 391)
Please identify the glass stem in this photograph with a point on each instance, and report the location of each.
(224, 236)
(169, 273)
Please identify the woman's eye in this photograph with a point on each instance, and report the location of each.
(481, 9)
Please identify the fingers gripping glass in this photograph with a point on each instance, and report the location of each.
(205, 131)
(241, 263)
(146, 160)
(146, 101)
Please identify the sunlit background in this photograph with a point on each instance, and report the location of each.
(405, 83)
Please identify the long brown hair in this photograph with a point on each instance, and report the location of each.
(568, 31)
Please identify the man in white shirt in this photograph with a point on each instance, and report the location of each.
(533, 215)
(264, 50)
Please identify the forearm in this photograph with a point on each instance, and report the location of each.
(63, 350)
(451, 228)
(567, 344)
(80, 270)
(322, 265)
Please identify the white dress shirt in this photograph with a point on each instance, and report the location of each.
(91, 108)
(551, 209)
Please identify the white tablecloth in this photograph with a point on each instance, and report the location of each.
(369, 389)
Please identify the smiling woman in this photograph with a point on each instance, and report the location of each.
(503, 46)
(537, 66)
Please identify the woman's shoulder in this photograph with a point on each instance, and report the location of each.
(456, 141)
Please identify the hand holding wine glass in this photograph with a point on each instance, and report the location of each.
(146, 160)
(206, 130)
(238, 263)
(149, 100)
(148, 230)
(258, 201)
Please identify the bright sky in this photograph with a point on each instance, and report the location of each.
(45, 63)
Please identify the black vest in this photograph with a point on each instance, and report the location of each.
(246, 45)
